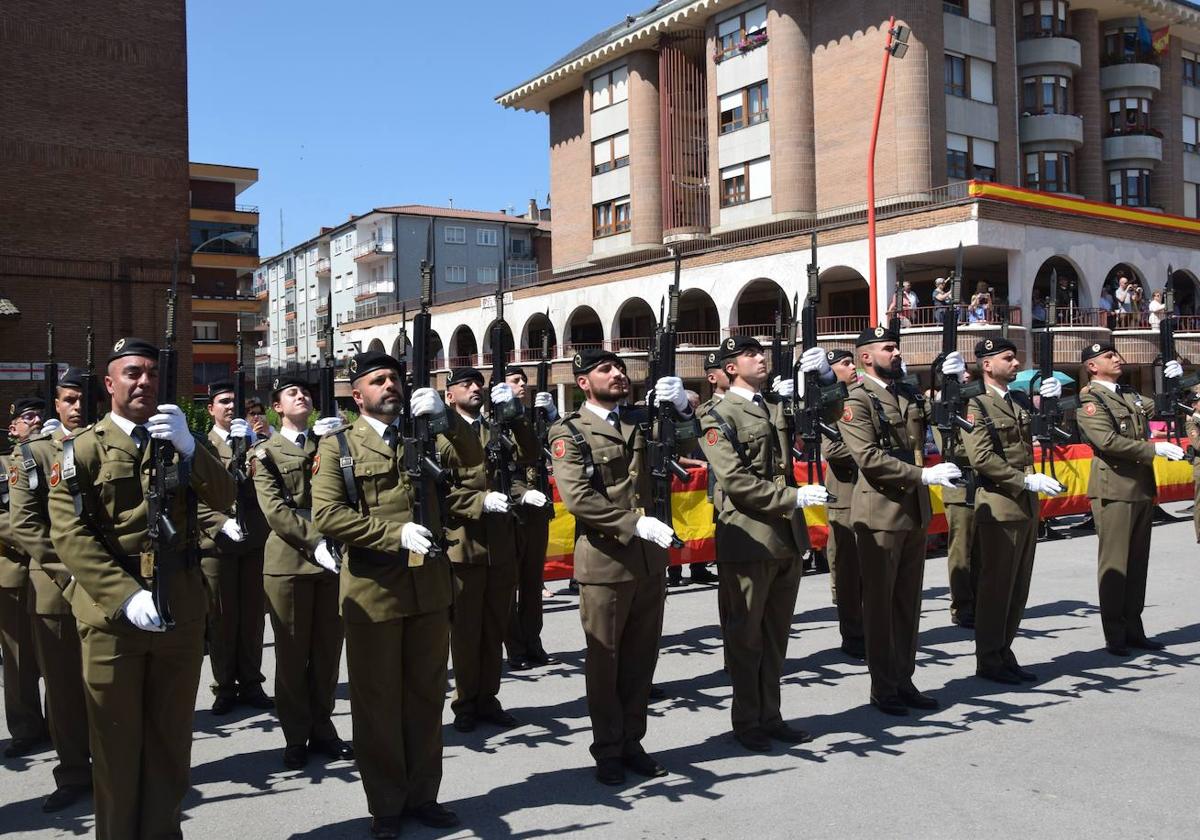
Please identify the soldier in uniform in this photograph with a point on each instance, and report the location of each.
(845, 571)
(1193, 432)
(620, 557)
(763, 535)
(140, 676)
(524, 637)
(22, 698)
(883, 425)
(395, 600)
(962, 547)
(300, 577)
(480, 529)
(232, 560)
(1000, 449)
(1114, 419)
(55, 635)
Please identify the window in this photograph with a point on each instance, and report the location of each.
(610, 153)
(520, 247)
(1044, 18)
(741, 108)
(303, 329)
(312, 327)
(337, 245)
(970, 158)
(981, 87)
(1128, 116)
(955, 7)
(1191, 129)
(1129, 187)
(1049, 171)
(610, 217)
(312, 256)
(487, 274)
(610, 88)
(456, 274)
(1191, 199)
(745, 182)
(205, 331)
(958, 156)
(1190, 74)
(1124, 45)
(741, 31)
(485, 236)
(455, 235)
(956, 75)
(348, 241)
(1045, 95)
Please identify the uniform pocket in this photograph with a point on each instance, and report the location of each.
(120, 485)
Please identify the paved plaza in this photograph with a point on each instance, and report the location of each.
(1099, 748)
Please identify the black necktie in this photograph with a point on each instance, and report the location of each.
(389, 437)
(300, 440)
(614, 419)
(476, 425)
(758, 400)
(141, 437)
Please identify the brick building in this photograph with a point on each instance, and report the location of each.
(93, 178)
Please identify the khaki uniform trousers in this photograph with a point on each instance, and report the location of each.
(1124, 562)
(845, 575)
(1006, 567)
(56, 642)
(893, 566)
(22, 696)
(961, 564)
(482, 599)
(525, 619)
(236, 620)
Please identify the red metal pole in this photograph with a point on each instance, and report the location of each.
(873, 274)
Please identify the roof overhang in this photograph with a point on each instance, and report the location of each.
(242, 177)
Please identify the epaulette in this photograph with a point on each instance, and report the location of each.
(261, 453)
(40, 436)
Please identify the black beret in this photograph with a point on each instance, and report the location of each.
(712, 361)
(464, 374)
(371, 361)
(837, 355)
(133, 347)
(1090, 351)
(512, 370)
(993, 346)
(875, 335)
(23, 404)
(586, 360)
(289, 380)
(216, 388)
(735, 345)
(73, 378)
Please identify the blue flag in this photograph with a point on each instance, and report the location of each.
(1145, 41)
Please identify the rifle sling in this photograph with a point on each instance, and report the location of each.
(86, 514)
(346, 462)
(739, 448)
(271, 467)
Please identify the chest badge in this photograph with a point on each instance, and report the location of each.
(12, 474)
(848, 414)
(710, 437)
(316, 463)
(55, 474)
(559, 449)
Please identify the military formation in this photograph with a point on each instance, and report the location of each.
(415, 536)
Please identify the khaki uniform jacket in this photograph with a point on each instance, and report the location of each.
(14, 564)
(481, 538)
(760, 518)
(608, 505)
(30, 517)
(1193, 433)
(888, 495)
(378, 583)
(1001, 495)
(293, 538)
(715, 494)
(958, 454)
(108, 469)
(841, 473)
(1123, 463)
(211, 521)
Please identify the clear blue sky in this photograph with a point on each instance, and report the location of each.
(348, 106)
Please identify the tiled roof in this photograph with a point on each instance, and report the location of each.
(454, 213)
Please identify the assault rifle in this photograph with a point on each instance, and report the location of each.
(328, 370)
(952, 394)
(1167, 391)
(50, 376)
(783, 352)
(664, 425)
(88, 394)
(1047, 420)
(541, 424)
(239, 445)
(421, 461)
(164, 473)
(817, 396)
(500, 449)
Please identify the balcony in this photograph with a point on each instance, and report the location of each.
(1133, 151)
(1139, 78)
(921, 330)
(370, 289)
(262, 352)
(1051, 132)
(373, 249)
(1053, 56)
(323, 267)
(291, 350)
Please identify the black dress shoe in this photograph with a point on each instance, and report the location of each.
(465, 723)
(657, 693)
(1117, 650)
(965, 620)
(572, 588)
(703, 576)
(644, 765)
(433, 815)
(1002, 676)
(65, 797)
(1022, 674)
(516, 663)
(890, 705)
(334, 748)
(18, 747)
(675, 582)
(610, 772)
(223, 705)
(256, 698)
(540, 657)
(855, 649)
(500, 718)
(754, 740)
(385, 828)
(1146, 644)
(916, 700)
(787, 734)
(295, 757)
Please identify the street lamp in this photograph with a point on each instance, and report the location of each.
(897, 45)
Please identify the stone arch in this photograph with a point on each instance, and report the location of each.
(584, 329)
(376, 346)
(437, 352)
(845, 301)
(463, 348)
(756, 305)
(401, 350)
(506, 341)
(1186, 291)
(699, 319)
(1060, 280)
(538, 325)
(633, 325)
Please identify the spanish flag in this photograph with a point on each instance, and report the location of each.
(1159, 39)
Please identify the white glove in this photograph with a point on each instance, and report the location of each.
(652, 530)
(785, 388)
(416, 538)
(903, 368)
(170, 424)
(1169, 451)
(814, 359)
(1050, 388)
(495, 503)
(1043, 484)
(546, 401)
(811, 495)
(1172, 370)
(942, 474)
(325, 425)
(1196, 417)
(954, 365)
(534, 498)
(50, 425)
(502, 393)
(326, 559)
(239, 428)
(142, 613)
(670, 389)
(424, 402)
(232, 530)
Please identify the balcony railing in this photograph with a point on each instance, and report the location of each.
(323, 265)
(842, 324)
(373, 247)
(226, 206)
(698, 338)
(934, 316)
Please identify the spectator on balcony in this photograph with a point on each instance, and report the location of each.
(980, 310)
(943, 299)
(1124, 296)
(1039, 311)
(1156, 309)
(1066, 296)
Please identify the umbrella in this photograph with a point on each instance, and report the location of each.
(1025, 377)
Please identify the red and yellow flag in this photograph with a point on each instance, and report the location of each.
(1160, 39)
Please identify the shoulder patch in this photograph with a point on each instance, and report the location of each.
(261, 453)
(711, 436)
(1090, 409)
(316, 463)
(55, 474)
(13, 473)
(559, 448)
(971, 418)
(848, 414)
